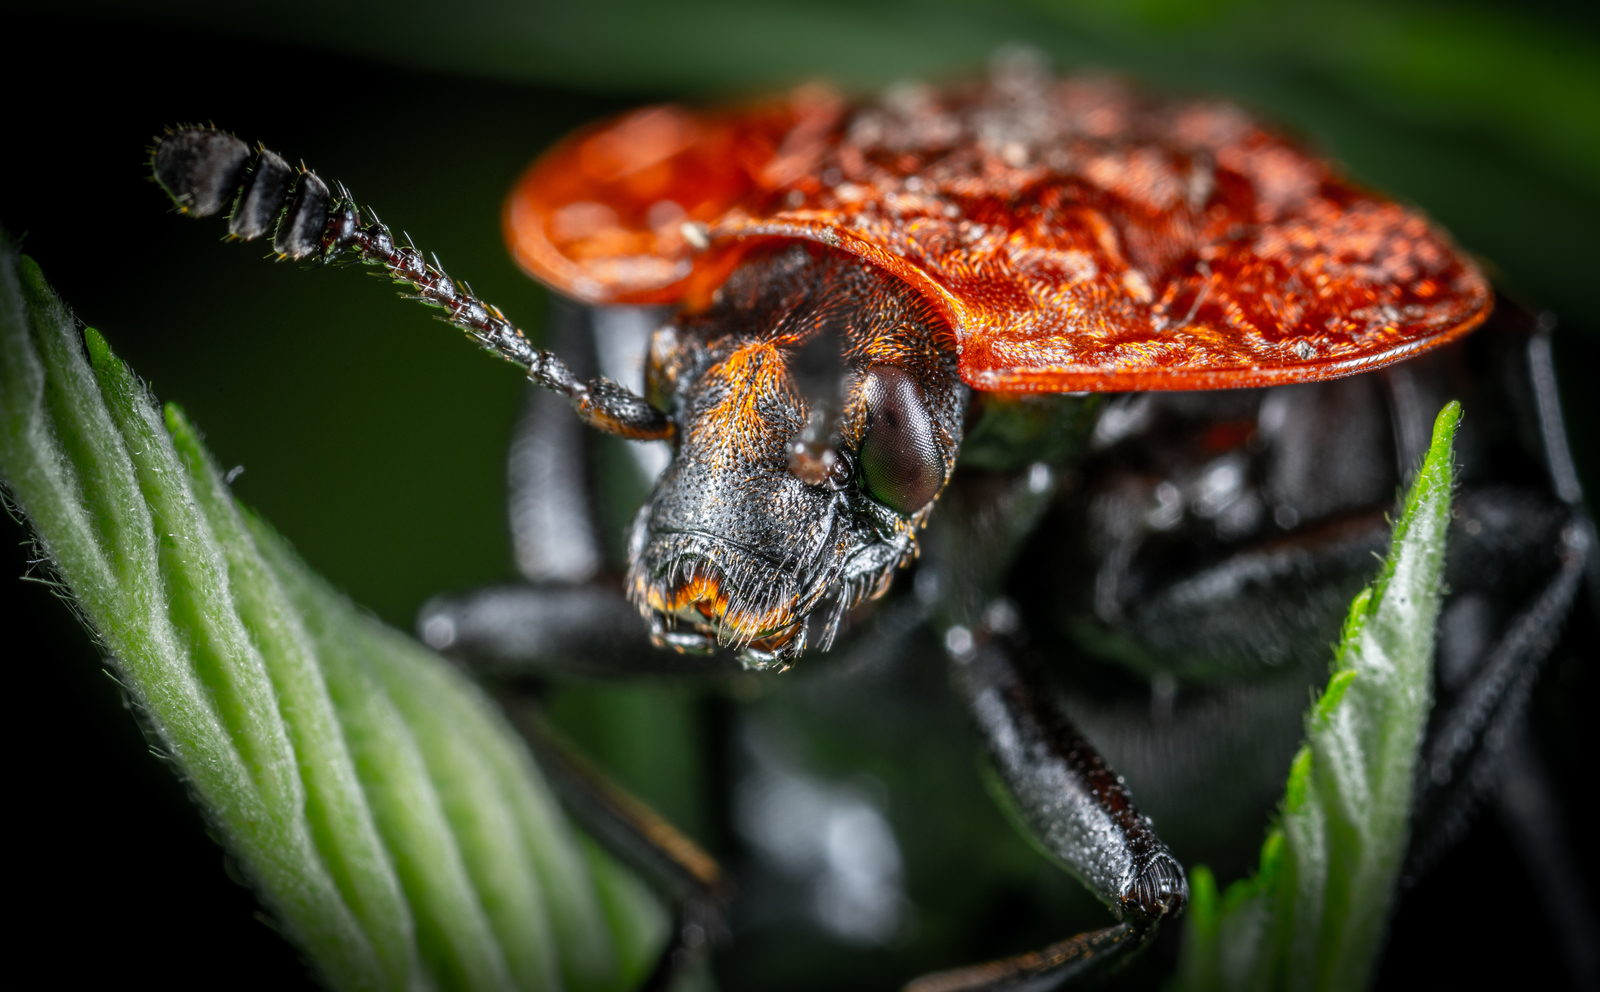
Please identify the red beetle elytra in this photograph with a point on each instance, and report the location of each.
(856, 289)
(1074, 234)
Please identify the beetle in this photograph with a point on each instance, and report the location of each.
(865, 296)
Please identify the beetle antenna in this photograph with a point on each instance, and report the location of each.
(204, 170)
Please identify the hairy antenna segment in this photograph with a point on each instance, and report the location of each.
(205, 171)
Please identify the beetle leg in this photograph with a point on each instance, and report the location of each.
(1460, 764)
(1059, 787)
(552, 523)
(1078, 809)
(1083, 957)
(515, 633)
(1463, 761)
(1531, 812)
(1553, 438)
(684, 874)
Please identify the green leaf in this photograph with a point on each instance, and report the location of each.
(388, 817)
(1314, 914)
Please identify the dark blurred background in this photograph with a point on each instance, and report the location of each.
(374, 438)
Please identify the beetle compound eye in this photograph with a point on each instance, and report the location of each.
(900, 461)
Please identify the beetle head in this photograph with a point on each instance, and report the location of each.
(813, 437)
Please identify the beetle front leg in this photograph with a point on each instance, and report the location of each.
(1077, 808)
(683, 874)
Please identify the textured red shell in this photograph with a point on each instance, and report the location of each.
(1077, 233)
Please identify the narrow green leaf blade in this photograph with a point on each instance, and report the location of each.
(336, 809)
(1364, 746)
(110, 503)
(1314, 915)
(386, 814)
(454, 936)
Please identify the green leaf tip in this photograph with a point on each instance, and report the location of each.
(1442, 449)
(392, 823)
(1313, 914)
(1432, 484)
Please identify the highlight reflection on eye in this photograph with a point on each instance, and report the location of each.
(900, 461)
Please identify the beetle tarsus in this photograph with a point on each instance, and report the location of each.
(203, 169)
(1077, 959)
(1079, 810)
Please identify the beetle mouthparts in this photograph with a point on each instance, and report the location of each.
(695, 607)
